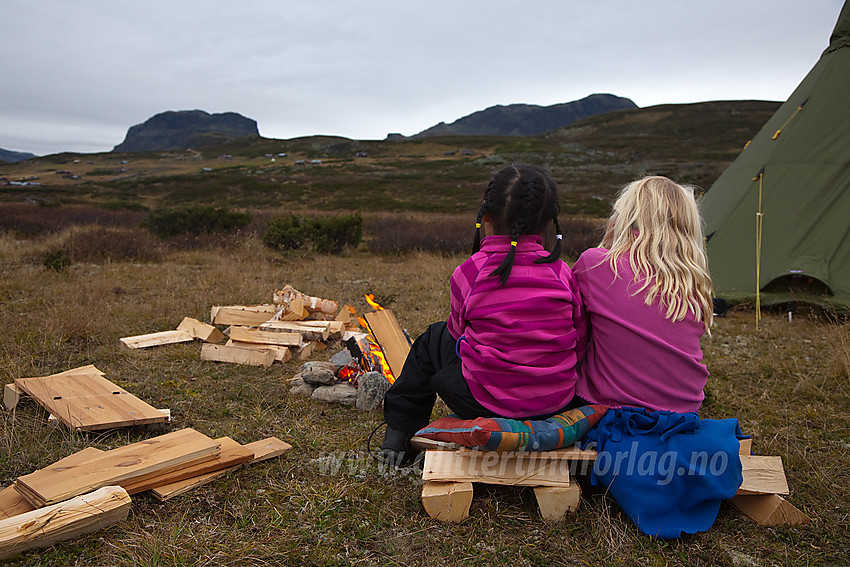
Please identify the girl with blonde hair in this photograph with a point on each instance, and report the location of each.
(647, 293)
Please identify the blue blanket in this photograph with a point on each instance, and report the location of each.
(668, 471)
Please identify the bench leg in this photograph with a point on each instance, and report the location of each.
(447, 501)
(555, 502)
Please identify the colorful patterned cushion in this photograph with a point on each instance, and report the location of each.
(503, 435)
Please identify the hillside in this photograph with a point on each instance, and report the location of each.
(14, 157)
(527, 119)
(590, 160)
(174, 130)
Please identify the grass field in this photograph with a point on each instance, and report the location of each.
(327, 502)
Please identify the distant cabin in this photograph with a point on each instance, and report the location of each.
(316, 162)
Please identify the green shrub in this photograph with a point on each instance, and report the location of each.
(167, 223)
(328, 235)
(57, 259)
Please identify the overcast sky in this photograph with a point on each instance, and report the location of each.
(75, 75)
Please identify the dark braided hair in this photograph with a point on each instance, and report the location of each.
(520, 199)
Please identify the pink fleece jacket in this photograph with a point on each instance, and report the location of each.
(519, 344)
(635, 356)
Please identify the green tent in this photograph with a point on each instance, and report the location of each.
(778, 219)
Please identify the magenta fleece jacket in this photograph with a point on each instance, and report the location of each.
(635, 356)
(519, 344)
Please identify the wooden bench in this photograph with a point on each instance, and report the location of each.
(449, 470)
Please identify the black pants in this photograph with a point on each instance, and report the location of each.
(432, 367)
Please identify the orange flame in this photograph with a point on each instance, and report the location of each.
(370, 299)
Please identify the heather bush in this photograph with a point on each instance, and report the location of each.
(167, 223)
(396, 235)
(56, 259)
(328, 235)
(27, 220)
(106, 244)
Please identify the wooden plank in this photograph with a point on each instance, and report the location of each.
(447, 501)
(256, 336)
(237, 355)
(763, 475)
(249, 315)
(768, 509)
(262, 450)
(390, 337)
(78, 516)
(84, 400)
(281, 353)
(156, 339)
(530, 469)
(307, 332)
(335, 328)
(11, 396)
(199, 330)
(230, 455)
(13, 503)
(144, 459)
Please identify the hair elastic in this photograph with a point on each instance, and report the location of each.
(513, 242)
(478, 225)
(560, 237)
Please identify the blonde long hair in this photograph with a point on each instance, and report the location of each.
(657, 223)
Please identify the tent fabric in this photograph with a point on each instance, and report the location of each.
(803, 156)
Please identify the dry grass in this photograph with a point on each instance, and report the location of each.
(326, 502)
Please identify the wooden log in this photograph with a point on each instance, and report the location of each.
(555, 502)
(281, 353)
(237, 354)
(199, 330)
(768, 509)
(11, 396)
(527, 469)
(78, 516)
(261, 450)
(763, 475)
(389, 335)
(84, 400)
(447, 501)
(312, 304)
(128, 464)
(335, 328)
(257, 336)
(156, 339)
(13, 502)
(248, 315)
(304, 350)
(293, 311)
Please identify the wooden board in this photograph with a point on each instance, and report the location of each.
(128, 464)
(768, 509)
(13, 503)
(262, 450)
(157, 339)
(237, 355)
(73, 518)
(230, 455)
(250, 315)
(201, 331)
(763, 475)
(390, 337)
(307, 332)
(257, 336)
(530, 469)
(84, 400)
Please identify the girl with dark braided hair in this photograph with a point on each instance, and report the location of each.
(516, 327)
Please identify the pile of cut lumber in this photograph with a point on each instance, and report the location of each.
(293, 325)
(166, 465)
